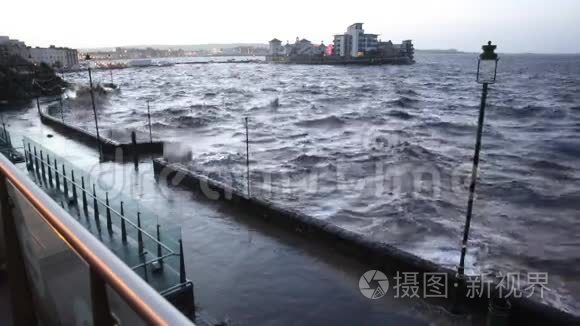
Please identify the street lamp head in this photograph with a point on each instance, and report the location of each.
(87, 57)
(487, 64)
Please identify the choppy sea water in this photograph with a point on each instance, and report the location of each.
(386, 151)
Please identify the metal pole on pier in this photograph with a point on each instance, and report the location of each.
(95, 114)
(473, 183)
(149, 118)
(135, 149)
(61, 113)
(38, 106)
(486, 74)
(247, 156)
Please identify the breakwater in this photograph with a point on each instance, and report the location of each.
(110, 147)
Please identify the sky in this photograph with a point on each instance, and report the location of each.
(515, 25)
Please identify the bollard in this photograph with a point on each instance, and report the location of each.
(135, 153)
(64, 182)
(96, 207)
(57, 179)
(109, 223)
(84, 191)
(139, 234)
(73, 185)
(123, 228)
(181, 263)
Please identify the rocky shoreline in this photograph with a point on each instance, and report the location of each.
(22, 80)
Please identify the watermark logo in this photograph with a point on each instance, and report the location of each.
(373, 284)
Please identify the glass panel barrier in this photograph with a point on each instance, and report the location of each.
(58, 277)
(66, 266)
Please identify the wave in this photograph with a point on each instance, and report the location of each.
(406, 92)
(308, 160)
(400, 114)
(330, 121)
(404, 102)
(187, 121)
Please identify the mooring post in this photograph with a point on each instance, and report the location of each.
(149, 117)
(109, 223)
(56, 177)
(123, 228)
(84, 191)
(73, 185)
(64, 182)
(135, 153)
(247, 156)
(96, 207)
(182, 278)
(139, 234)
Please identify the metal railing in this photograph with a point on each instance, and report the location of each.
(42, 281)
(141, 237)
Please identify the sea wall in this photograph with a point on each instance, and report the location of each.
(109, 147)
(378, 255)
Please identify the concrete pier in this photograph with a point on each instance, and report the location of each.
(110, 147)
(385, 257)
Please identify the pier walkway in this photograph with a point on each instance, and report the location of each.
(247, 271)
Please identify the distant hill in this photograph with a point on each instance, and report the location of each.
(186, 47)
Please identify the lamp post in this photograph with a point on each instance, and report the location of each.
(111, 70)
(486, 74)
(88, 58)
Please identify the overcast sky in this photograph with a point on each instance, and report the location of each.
(515, 25)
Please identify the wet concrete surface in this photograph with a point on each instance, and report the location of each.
(245, 271)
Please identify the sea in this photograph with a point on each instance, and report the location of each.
(385, 151)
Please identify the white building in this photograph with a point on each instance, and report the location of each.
(276, 47)
(56, 57)
(355, 42)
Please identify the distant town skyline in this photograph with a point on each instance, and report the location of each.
(530, 26)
